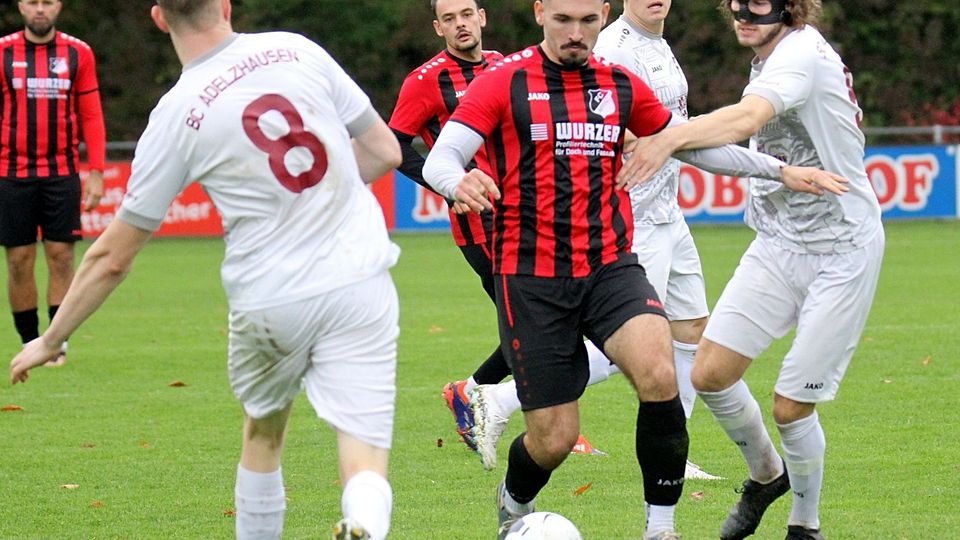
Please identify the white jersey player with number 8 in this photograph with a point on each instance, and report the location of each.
(284, 142)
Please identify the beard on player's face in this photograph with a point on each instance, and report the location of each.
(40, 29)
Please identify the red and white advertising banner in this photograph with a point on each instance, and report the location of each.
(191, 214)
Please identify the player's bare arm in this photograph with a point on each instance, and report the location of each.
(104, 267)
(727, 125)
(376, 149)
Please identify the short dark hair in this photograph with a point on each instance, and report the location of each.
(197, 14)
(433, 6)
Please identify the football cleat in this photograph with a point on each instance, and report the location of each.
(754, 500)
(798, 532)
(489, 424)
(459, 404)
(694, 472)
(347, 529)
(506, 516)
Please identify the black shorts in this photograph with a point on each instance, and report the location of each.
(478, 257)
(543, 322)
(50, 204)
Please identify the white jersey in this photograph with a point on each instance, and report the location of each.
(263, 123)
(816, 124)
(649, 56)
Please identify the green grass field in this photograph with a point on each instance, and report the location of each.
(105, 447)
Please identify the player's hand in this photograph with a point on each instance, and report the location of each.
(813, 180)
(647, 156)
(460, 208)
(36, 353)
(476, 189)
(92, 190)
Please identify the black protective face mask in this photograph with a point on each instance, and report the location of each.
(778, 13)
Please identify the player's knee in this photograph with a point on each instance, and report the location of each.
(786, 410)
(689, 331)
(60, 261)
(550, 447)
(20, 263)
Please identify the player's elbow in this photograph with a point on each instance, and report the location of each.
(392, 155)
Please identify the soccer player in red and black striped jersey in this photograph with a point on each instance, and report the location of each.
(427, 98)
(552, 119)
(49, 96)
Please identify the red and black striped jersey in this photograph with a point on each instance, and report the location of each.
(554, 137)
(49, 92)
(428, 97)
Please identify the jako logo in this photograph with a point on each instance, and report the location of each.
(813, 386)
(538, 96)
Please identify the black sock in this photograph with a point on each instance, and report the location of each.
(524, 477)
(27, 324)
(52, 310)
(662, 446)
(493, 370)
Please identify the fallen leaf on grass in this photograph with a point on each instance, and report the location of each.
(887, 381)
(69, 486)
(87, 445)
(436, 329)
(926, 361)
(11, 408)
(230, 512)
(439, 443)
(145, 444)
(582, 489)
(97, 504)
(177, 384)
(697, 495)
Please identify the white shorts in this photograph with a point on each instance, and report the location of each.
(670, 257)
(341, 346)
(827, 297)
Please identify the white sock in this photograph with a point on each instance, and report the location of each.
(659, 518)
(803, 449)
(738, 413)
(471, 384)
(683, 359)
(514, 507)
(260, 502)
(505, 397)
(599, 364)
(368, 499)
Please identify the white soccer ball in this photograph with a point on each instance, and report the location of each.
(543, 526)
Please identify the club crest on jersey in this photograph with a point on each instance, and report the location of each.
(601, 102)
(58, 65)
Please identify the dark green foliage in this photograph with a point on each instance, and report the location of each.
(904, 56)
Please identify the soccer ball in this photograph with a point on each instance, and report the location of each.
(543, 526)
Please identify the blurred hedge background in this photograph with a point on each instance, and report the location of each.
(905, 56)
